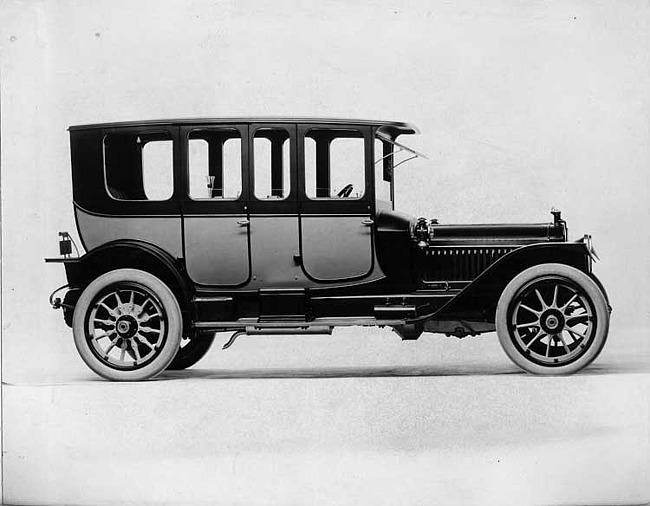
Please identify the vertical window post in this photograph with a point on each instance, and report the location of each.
(277, 179)
(323, 180)
(215, 165)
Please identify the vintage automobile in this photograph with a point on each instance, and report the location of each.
(266, 226)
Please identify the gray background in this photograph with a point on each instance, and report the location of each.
(522, 105)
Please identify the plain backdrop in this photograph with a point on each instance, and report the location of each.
(522, 106)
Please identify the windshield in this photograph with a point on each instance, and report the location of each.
(390, 154)
(400, 147)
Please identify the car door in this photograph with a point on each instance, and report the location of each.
(273, 207)
(215, 214)
(336, 197)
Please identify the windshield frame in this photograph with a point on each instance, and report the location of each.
(416, 154)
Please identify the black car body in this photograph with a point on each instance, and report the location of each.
(286, 225)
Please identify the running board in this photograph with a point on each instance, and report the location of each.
(243, 323)
(268, 331)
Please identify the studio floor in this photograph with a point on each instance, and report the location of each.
(355, 418)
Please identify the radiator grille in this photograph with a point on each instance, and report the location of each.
(459, 264)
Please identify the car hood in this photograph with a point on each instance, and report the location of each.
(433, 234)
(511, 234)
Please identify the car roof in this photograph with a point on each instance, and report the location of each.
(395, 127)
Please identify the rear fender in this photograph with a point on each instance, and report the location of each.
(134, 255)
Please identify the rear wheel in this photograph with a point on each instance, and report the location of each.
(552, 319)
(191, 351)
(127, 325)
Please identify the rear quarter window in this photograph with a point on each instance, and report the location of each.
(139, 166)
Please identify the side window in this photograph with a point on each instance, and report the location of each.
(271, 160)
(215, 164)
(334, 164)
(139, 166)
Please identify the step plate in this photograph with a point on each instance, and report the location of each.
(283, 305)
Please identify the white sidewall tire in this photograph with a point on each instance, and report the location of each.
(170, 307)
(592, 291)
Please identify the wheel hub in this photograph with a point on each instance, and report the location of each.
(126, 326)
(552, 321)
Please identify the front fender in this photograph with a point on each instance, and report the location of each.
(480, 297)
(602, 289)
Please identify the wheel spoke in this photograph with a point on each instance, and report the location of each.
(147, 317)
(527, 325)
(524, 306)
(566, 348)
(143, 306)
(539, 334)
(110, 311)
(123, 352)
(539, 296)
(580, 317)
(555, 290)
(149, 329)
(108, 350)
(117, 297)
(104, 322)
(144, 341)
(573, 297)
(548, 345)
(132, 298)
(136, 351)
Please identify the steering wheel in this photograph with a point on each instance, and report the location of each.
(345, 192)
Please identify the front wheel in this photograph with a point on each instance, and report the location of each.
(552, 319)
(127, 325)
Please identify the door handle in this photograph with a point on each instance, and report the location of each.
(368, 223)
(244, 222)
